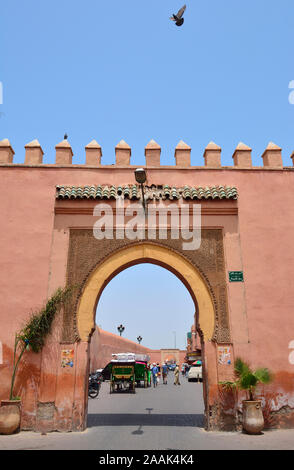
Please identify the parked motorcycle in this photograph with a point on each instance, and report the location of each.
(95, 381)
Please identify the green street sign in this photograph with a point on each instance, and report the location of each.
(236, 276)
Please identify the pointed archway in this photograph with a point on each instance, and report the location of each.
(145, 253)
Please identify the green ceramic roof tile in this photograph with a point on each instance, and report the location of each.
(112, 192)
(158, 192)
(174, 193)
(134, 192)
(126, 191)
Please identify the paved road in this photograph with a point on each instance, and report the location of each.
(167, 417)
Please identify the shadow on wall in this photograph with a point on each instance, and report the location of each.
(28, 373)
(26, 383)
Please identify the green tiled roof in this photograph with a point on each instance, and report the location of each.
(151, 192)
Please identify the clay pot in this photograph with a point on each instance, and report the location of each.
(253, 421)
(10, 413)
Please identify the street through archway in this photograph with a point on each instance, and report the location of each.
(164, 417)
(153, 414)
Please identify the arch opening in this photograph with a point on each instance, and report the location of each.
(150, 302)
(153, 254)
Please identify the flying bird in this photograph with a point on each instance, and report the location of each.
(178, 18)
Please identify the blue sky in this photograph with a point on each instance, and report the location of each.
(122, 70)
(149, 301)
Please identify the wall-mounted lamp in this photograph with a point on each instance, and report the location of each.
(140, 175)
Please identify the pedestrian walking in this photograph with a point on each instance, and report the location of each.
(177, 375)
(154, 375)
(158, 373)
(183, 370)
(164, 373)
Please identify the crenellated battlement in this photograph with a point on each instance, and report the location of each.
(271, 157)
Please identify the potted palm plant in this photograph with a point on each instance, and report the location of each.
(31, 337)
(248, 379)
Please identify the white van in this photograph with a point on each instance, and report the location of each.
(195, 373)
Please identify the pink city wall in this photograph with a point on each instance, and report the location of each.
(104, 344)
(258, 240)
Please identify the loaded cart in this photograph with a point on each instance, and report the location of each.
(122, 372)
(142, 371)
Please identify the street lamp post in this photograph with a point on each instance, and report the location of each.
(139, 338)
(120, 329)
(140, 175)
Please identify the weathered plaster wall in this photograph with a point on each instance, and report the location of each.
(30, 271)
